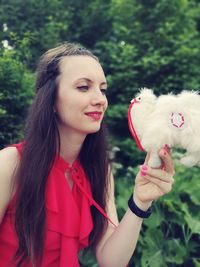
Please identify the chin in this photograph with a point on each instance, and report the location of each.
(93, 130)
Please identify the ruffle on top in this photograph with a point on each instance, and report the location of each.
(69, 209)
(68, 213)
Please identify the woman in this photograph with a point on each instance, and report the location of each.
(56, 185)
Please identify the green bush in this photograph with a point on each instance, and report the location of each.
(16, 92)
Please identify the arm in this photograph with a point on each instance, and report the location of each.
(8, 164)
(118, 244)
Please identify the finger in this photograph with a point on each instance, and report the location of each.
(156, 173)
(147, 158)
(167, 148)
(163, 186)
(167, 161)
(140, 178)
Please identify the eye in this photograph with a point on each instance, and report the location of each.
(103, 91)
(139, 98)
(83, 88)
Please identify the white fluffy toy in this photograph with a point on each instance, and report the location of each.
(168, 119)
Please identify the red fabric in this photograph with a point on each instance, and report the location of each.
(65, 237)
(131, 126)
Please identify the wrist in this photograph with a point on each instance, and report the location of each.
(138, 211)
(141, 204)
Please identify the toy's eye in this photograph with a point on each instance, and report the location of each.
(139, 98)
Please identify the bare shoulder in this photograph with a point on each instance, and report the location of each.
(9, 162)
(9, 157)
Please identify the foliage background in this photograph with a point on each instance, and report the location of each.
(140, 43)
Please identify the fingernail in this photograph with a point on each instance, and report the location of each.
(144, 167)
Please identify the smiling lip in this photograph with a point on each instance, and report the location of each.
(95, 115)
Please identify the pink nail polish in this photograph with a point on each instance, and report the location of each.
(166, 148)
(144, 167)
(143, 173)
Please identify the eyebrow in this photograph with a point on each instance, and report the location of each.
(89, 80)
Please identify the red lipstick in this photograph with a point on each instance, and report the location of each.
(95, 115)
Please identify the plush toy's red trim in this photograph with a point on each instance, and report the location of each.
(131, 127)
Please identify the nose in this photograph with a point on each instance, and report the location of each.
(98, 97)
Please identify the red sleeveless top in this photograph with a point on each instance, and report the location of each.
(69, 220)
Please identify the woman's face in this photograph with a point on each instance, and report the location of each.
(81, 100)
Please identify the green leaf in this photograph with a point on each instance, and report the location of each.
(196, 262)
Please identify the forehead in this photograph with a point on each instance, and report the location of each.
(74, 67)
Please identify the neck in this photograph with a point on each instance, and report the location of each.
(70, 145)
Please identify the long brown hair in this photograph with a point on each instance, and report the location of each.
(42, 142)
